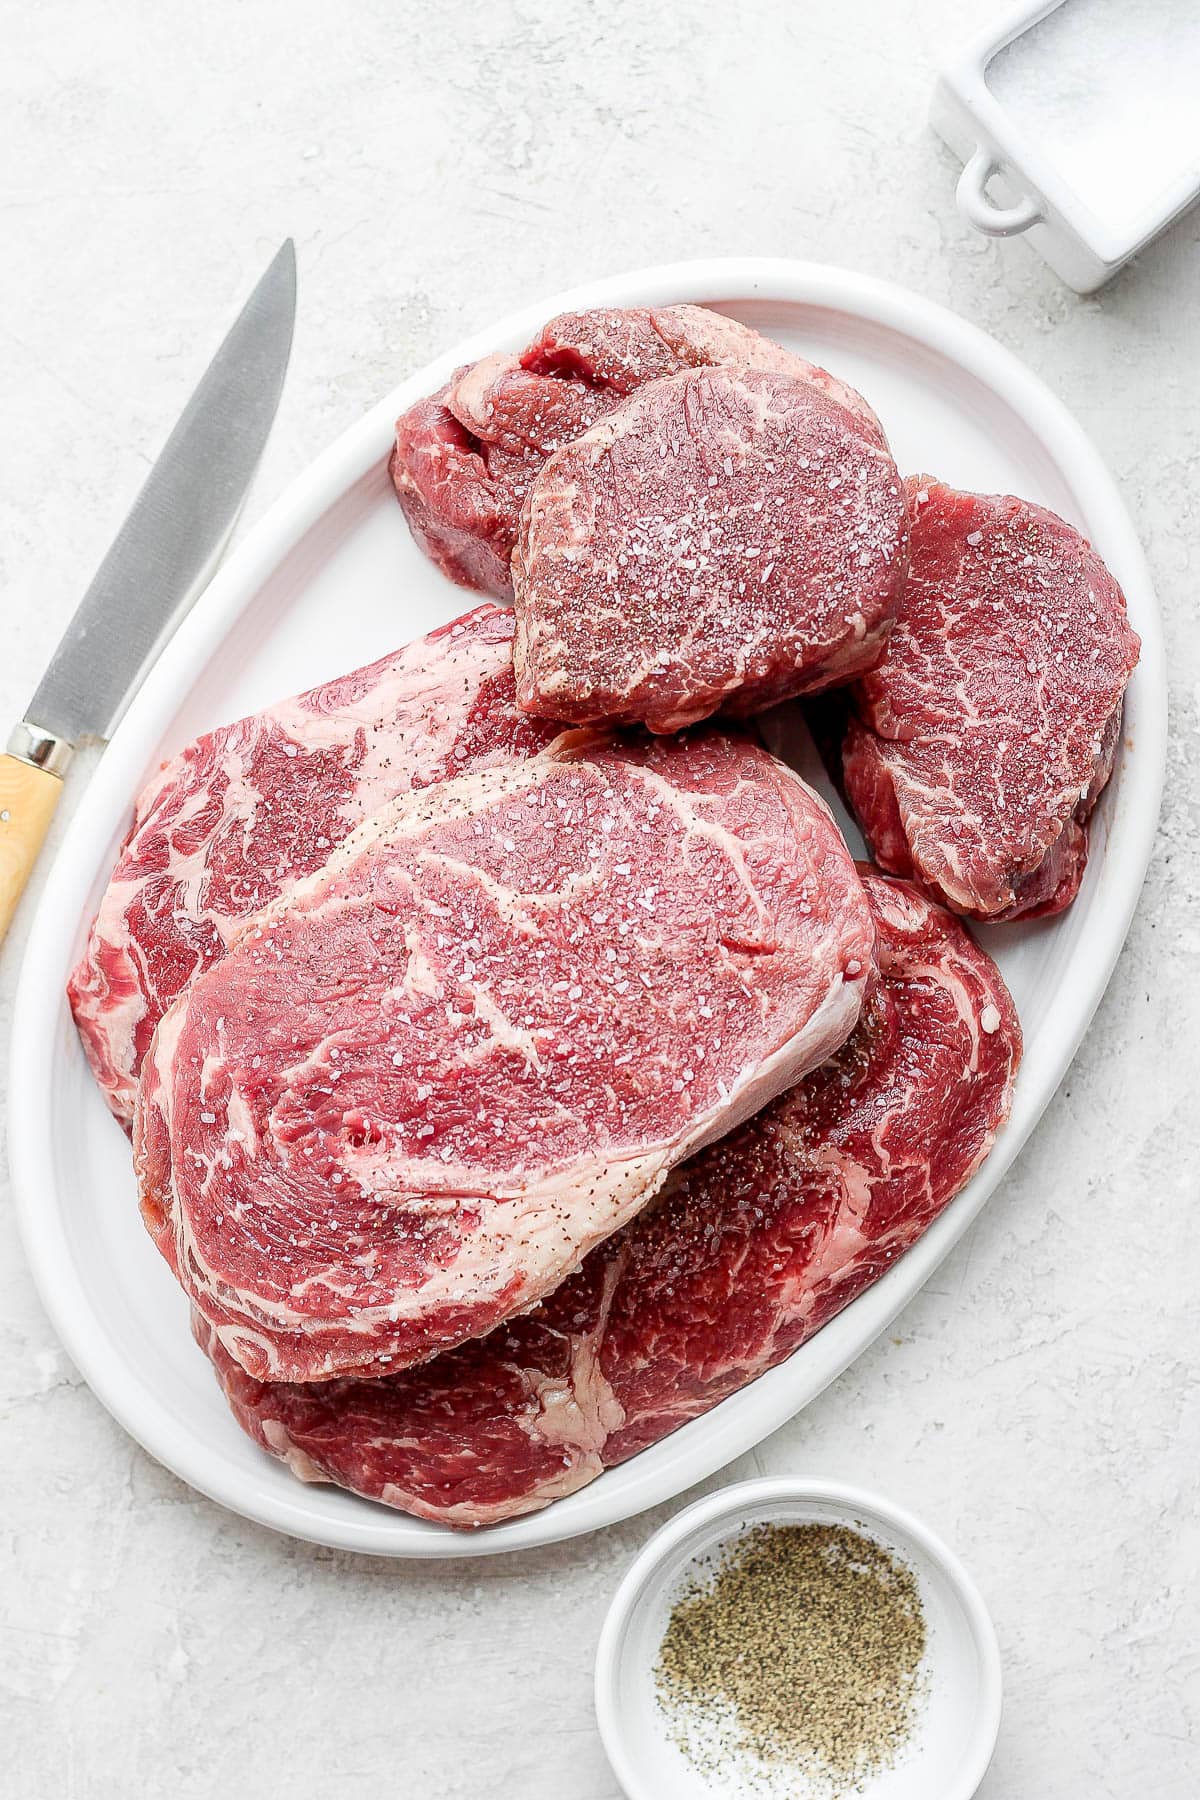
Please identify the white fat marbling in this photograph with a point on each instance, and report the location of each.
(1039, 1402)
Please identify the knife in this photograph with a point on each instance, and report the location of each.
(155, 569)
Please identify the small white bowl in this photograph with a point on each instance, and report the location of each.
(1084, 246)
(959, 1717)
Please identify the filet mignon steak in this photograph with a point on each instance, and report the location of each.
(724, 538)
(754, 1245)
(464, 458)
(417, 1090)
(244, 811)
(979, 745)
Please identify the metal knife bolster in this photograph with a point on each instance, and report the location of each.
(40, 748)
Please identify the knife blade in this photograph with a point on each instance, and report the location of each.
(154, 570)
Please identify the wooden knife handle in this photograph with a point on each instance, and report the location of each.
(28, 797)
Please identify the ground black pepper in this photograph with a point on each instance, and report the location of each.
(796, 1655)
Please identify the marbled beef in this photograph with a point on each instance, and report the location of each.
(725, 538)
(416, 1090)
(754, 1245)
(464, 458)
(978, 748)
(244, 811)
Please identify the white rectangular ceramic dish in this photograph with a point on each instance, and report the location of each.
(1083, 112)
(331, 579)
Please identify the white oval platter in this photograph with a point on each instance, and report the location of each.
(330, 579)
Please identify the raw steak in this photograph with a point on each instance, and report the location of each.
(464, 458)
(754, 1246)
(723, 538)
(413, 1094)
(981, 742)
(244, 811)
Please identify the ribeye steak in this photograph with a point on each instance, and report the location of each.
(754, 1245)
(725, 538)
(244, 811)
(980, 744)
(417, 1090)
(464, 458)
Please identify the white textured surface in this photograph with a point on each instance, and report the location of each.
(1041, 1406)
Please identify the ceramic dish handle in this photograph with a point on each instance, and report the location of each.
(982, 213)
